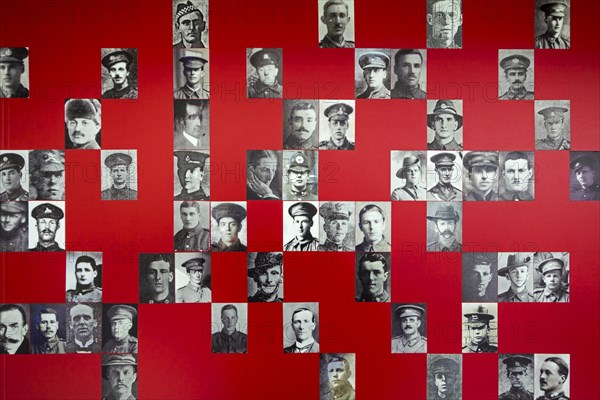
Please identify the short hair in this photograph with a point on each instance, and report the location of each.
(150, 258)
(334, 3)
(563, 368)
(188, 204)
(430, 4)
(298, 310)
(373, 257)
(255, 156)
(405, 52)
(303, 105)
(340, 359)
(86, 259)
(518, 155)
(180, 107)
(45, 310)
(229, 307)
(12, 307)
(370, 207)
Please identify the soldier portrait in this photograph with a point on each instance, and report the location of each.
(444, 24)
(191, 226)
(480, 176)
(480, 328)
(300, 181)
(47, 174)
(337, 227)
(552, 376)
(46, 226)
(515, 75)
(264, 71)
(444, 229)
(409, 327)
(119, 75)
(84, 327)
(300, 328)
(14, 328)
(585, 175)
(119, 178)
(444, 376)
(408, 175)
(337, 125)
(445, 122)
(14, 176)
(192, 175)
(14, 230)
(190, 24)
(192, 123)
(14, 72)
(479, 277)
(83, 120)
(300, 226)
(193, 278)
(552, 125)
(517, 285)
(374, 232)
(301, 124)
(119, 377)
(373, 277)
(515, 376)
(336, 27)
(517, 171)
(552, 24)
(48, 329)
(263, 174)
(191, 74)
(157, 278)
(445, 183)
(119, 328)
(229, 232)
(551, 283)
(409, 80)
(265, 277)
(371, 74)
(337, 376)
(84, 277)
(229, 327)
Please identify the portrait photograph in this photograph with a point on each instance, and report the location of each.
(444, 24)
(409, 78)
(336, 228)
(190, 24)
(192, 225)
(336, 24)
(119, 376)
(300, 178)
(481, 174)
(14, 318)
(119, 73)
(337, 122)
(551, 277)
(444, 226)
(479, 277)
(444, 376)
(229, 226)
(191, 124)
(444, 176)
(372, 74)
(337, 376)
(264, 73)
(518, 180)
(515, 277)
(14, 226)
(552, 24)
(408, 174)
(193, 275)
(300, 226)
(157, 278)
(191, 175)
(373, 230)
(14, 74)
(229, 327)
(47, 175)
(445, 125)
(48, 328)
(585, 175)
(265, 277)
(515, 376)
(264, 174)
(14, 168)
(515, 75)
(480, 327)
(409, 328)
(373, 277)
(301, 124)
(47, 224)
(301, 328)
(552, 376)
(83, 122)
(552, 124)
(191, 74)
(84, 328)
(119, 328)
(84, 277)
(119, 175)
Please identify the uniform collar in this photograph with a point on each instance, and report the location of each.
(261, 87)
(333, 42)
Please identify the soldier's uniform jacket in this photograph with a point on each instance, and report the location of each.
(129, 344)
(546, 41)
(53, 247)
(549, 144)
(330, 245)
(113, 193)
(444, 193)
(511, 296)
(85, 295)
(310, 244)
(382, 245)
(474, 196)
(557, 396)
(401, 91)
(380, 93)
(516, 196)
(167, 300)
(111, 397)
(21, 93)
(18, 195)
(197, 45)
(91, 145)
(327, 43)
(194, 294)
(435, 44)
(194, 239)
(259, 90)
(292, 142)
(311, 348)
(345, 391)
(406, 193)
(380, 298)
(516, 394)
(129, 92)
(544, 295)
(237, 246)
(452, 145)
(261, 297)
(186, 93)
(310, 193)
(437, 246)
(73, 347)
(54, 346)
(484, 347)
(591, 193)
(329, 145)
(14, 241)
(400, 344)
(237, 342)
(197, 195)
(522, 94)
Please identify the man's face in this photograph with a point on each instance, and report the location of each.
(444, 382)
(269, 279)
(193, 76)
(445, 227)
(119, 174)
(83, 323)
(336, 18)
(516, 376)
(550, 379)
(298, 179)
(229, 319)
(481, 277)
(12, 330)
(516, 78)
(408, 69)
(85, 273)
(372, 276)
(229, 229)
(478, 332)
(193, 120)
(338, 129)
(518, 276)
(265, 170)
(444, 125)
(158, 276)
(412, 174)
(190, 26)
(374, 77)
(189, 217)
(11, 222)
(302, 225)
(554, 128)
(48, 325)
(445, 173)
(445, 18)
(372, 226)
(585, 176)
(338, 374)
(51, 185)
(11, 179)
(195, 276)
(120, 328)
(483, 177)
(517, 175)
(82, 130)
(410, 325)
(552, 279)
(119, 73)
(121, 379)
(303, 325)
(555, 24)
(47, 228)
(336, 230)
(192, 179)
(267, 74)
(10, 74)
(303, 123)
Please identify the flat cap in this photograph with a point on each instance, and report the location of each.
(408, 162)
(517, 362)
(481, 315)
(442, 159)
(186, 8)
(116, 57)
(587, 160)
(264, 57)
(300, 162)
(515, 61)
(481, 159)
(410, 310)
(47, 160)
(230, 210)
(374, 59)
(514, 261)
(193, 59)
(115, 159)
(13, 54)
(47, 210)
(444, 107)
(191, 159)
(10, 161)
(265, 260)
(194, 264)
(13, 207)
(444, 366)
(332, 211)
(445, 212)
(551, 264)
(82, 108)
(555, 9)
(338, 111)
(553, 114)
(121, 311)
(302, 208)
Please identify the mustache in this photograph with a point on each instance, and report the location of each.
(517, 81)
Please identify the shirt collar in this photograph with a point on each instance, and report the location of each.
(192, 139)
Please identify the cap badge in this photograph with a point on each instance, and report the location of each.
(515, 60)
(299, 159)
(8, 52)
(47, 210)
(187, 159)
(265, 56)
(443, 105)
(5, 159)
(552, 114)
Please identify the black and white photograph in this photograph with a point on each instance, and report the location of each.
(192, 226)
(264, 174)
(479, 277)
(119, 328)
(119, 175)
(337, 125)
(14, 322)
(229, 226)
(14, 72)
(515, 376)
(409, 328)
(372, 74)
(192, 175)
(83, 120)
(337, 376)
(373, 277)
(444, 226)
(264, 73)
(119, 376)
(191, 124)
(229, 328)
(552, 24)
(515, 75)
(517, 183)
(444, 24)
(480, 328)
(445, 125)
(14, 175)
(444, 178)
(301, 124)
(408, 175)
(336, 24)
(300, 226)
(193, 275)
(374, 226)
(409, 80)
(14, 226)
(585, 176)
(515, 277)
(84, 328)
(47, 175)
(552, 125)
(444, 376)
(337, 225)
(300, 180)
(552, 378)
(301, 328)
(265, 277)
(157, 278)
(84, 277)
(190, 24)
(48, 329)
(480, 176)
(47, 226)
(191, 74)
(119, 73)
(552, 272)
